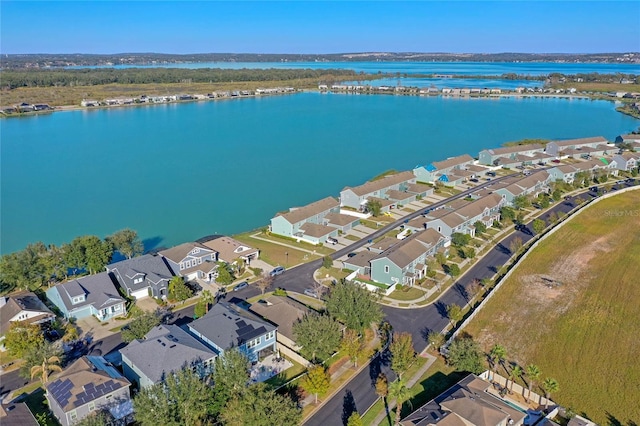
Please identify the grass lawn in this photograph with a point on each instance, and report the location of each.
(286, 375)
(276, 254)
(351, 237)
(572, 308)
(411, 293)
(39, 407)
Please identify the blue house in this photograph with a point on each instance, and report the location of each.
(91, 295)
(226, 326)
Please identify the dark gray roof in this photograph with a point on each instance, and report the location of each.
(166, 348)
(153, 269)
(16, 414)
(229, 326)
(99, 291)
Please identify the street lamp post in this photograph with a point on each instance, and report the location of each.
(286, 254)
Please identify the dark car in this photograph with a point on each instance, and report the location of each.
(240, 286)
(277, 271)
(351, 254)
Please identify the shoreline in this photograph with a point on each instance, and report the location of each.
(69, 108)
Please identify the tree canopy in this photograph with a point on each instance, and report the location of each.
(402, 352)
(318, 336)
(127, 243)
(178, 289)
(464, 354)
(354, 305)
(22, 337)
(140, 326)
(317, 381)
(259, 406)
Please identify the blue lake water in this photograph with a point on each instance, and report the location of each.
(178, 172)
(458, 68)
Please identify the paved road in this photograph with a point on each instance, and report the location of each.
(360, 392)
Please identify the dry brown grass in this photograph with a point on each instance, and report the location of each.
(573, 308)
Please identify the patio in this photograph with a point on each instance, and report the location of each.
(268, 367)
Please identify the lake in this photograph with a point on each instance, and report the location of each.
(458, 68)
(177, 172)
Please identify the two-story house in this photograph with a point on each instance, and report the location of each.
(229, 250)
(227, 326)
(357, 197)
(307, 223)
(22, 307)
(88, 385)
(485, 210)
(556, 148)
(164, 350)
(91, 295)
(193, 261)
(490, 157)
(626, 161)
(531, 185)
(568, 172)
(447, 171)
(143, 276)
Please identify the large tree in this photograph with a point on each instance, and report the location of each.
(352, 345)
(22, 337)
(435, 339)
(464, 354)
(97, 253)
(140, 326)
(178, 290)
(402, 352)
(459, 239)
(225, 273)
(182, 399)
(538, 226)
(454, 312)
(318, 336)
(317, 381)
(126, 242)
(230, 377)
(259, 406)
(374, 207)
(354, 305)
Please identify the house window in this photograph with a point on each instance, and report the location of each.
(199, 260)
(117, 308)
(73, 415)
(253, 343)
(138, 280)
(386, 269)
(270, 335)
(77, 299)
(439, 229)
(92, 406)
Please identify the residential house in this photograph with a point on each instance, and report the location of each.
(632, 139)
(462, 219)
(401, 198)
(193, 261)
(307, 223)
(555, 148)
(469, 403)
(444, 171)
(568, 172)
(88, 385)
(143, 276)
(490, 157)
(164, 350)
(361, 262)
(626, 161)
(16, 414)
(420, 190)
(227, 326)
(531, 185)
(229, 250)
(358, 196)
(282, 312)
(22, 307)
(343, 222)
(91, 295)
(406, 262)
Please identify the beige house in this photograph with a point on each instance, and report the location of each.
(229, 250)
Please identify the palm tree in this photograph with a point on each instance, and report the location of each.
(496, 356)
(48, 364)
(550, 386)
(515, 374)
(533, 374)
(399, 392)
(207, 299)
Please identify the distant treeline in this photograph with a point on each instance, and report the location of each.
(63, 60)
(12, 79)
(594, 77)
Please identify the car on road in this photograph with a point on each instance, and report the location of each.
(311, 293)
(277, 271)
(240, 286)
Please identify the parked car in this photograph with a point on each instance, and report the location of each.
(311, 293)
(277, 271)
(332, 240)
(240, 286)
(350, 255)
(474, 180)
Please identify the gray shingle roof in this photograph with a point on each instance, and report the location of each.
(165, 349)
(317, 207)
(154, 269)
(229, 326)
(99, 291)
(19, 302)
(378, 184)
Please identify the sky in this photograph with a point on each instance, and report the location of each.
(318, 26)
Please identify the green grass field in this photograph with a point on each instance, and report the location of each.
(573, 308)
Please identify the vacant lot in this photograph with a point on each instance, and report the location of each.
(573, 308)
